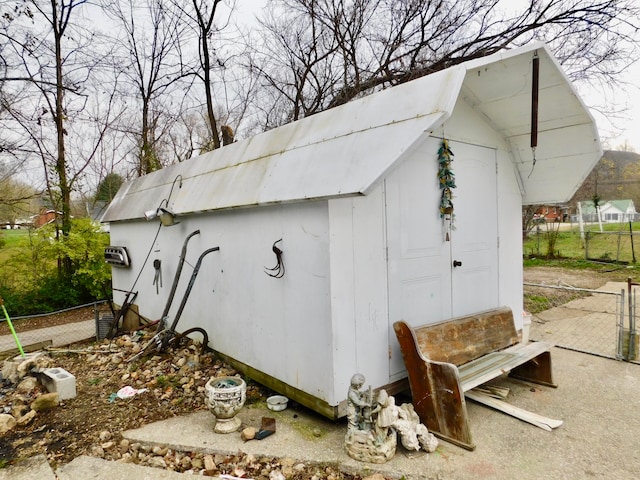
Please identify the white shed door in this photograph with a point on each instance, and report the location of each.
(424, 286)
(474, 240)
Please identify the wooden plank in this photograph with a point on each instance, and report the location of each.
(537, 370)
(464, 339)
(493, 391)
(33, 347)
(446, 360)
(494, 364)
(540, 421)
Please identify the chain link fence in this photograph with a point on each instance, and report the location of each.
(589, 321)
(54, 329)
(615, 247)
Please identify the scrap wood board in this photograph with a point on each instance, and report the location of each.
(533, 418)
(492, 390)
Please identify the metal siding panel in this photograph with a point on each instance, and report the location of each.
(279, 326)
(340, 152)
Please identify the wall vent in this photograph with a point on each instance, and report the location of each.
(116, 256)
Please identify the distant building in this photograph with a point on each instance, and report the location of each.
(552, 213)
(45, 217)
(611, 211)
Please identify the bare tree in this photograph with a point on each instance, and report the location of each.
(295, 61)
(16, 199)
(214, 68)
(373, 44)
(42, 62)
(50, 62)
(148, 53)
(200, 15)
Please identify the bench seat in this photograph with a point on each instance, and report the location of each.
(492, 365)
(447, 359)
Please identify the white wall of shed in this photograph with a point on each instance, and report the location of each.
(359, 304)
(282, 326)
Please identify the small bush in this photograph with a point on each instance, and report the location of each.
(32, 282)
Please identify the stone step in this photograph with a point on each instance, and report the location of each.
(85, 467)
(29, 469)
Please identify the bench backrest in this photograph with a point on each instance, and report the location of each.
(463, 339)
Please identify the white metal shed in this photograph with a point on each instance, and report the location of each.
(354, 195)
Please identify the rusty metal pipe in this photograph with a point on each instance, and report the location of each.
(535, 87)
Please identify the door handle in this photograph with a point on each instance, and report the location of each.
(457, 263)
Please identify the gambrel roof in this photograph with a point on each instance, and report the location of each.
(346, 150)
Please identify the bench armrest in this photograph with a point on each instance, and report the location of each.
(436, 391)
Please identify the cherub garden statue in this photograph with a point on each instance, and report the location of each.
(374, 421)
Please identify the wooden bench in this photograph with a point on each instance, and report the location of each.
(447, 359)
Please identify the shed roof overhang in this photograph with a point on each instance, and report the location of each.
(346, 150)
(568, 144)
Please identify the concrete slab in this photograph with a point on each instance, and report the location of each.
(597, 400)
(91, 468)
(30, 469)
(59, 335)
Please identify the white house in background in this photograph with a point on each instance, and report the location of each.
(611, 211)
(351, 197)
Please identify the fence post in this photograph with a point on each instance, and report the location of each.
(631, 349)
(586, 245)
(620, 347)
(633, 250)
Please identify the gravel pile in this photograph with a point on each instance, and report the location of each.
(117, 391)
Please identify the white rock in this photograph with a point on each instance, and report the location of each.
(276, 475)
(157, 462)
(97, 451)
(126, 458)
(9, 368)
(7, 422)
(161, 451)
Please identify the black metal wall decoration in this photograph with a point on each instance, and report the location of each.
(278, 270)
(157, 276)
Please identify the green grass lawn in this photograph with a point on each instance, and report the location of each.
(14, 238)
(614, 244)
(11, 241)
